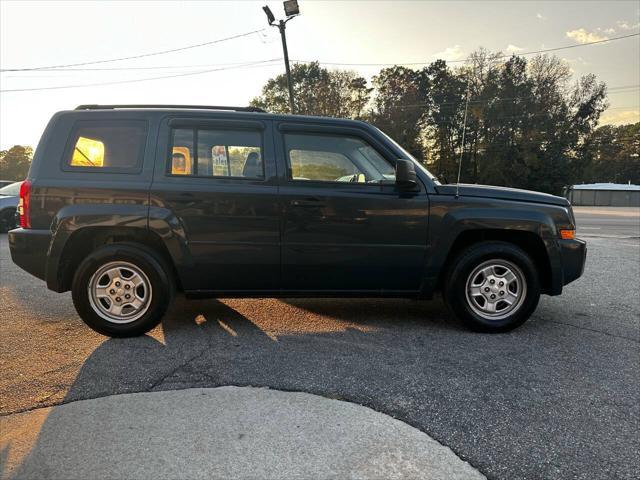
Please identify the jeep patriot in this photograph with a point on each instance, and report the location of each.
(126, 204)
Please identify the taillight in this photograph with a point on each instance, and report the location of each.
(24, 204)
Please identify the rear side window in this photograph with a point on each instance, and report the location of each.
(216, 153)
(112, 145)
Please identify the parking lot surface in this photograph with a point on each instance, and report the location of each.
(608, 221)
(556, 398)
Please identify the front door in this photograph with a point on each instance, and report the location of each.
(218, 184)
(346, 227)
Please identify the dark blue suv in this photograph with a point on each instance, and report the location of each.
(124, 205)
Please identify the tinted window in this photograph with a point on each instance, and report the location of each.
(334, 158)
(109, 145)
(219, 153)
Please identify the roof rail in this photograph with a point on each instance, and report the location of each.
(190, 107)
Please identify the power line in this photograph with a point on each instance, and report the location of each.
(610, 91)
(162, 52)
(240, 65)
(535, 52)
(498, 145)
(453, 121)
(58, 87)
(63, 68)
(102, 69)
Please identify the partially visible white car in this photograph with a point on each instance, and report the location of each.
(9, 198)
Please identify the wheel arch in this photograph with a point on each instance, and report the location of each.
(7, 214)
(530, 242)
(83, 241)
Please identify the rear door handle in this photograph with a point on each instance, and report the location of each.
(307, 202)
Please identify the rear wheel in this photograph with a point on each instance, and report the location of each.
(492, 286)
(122, 290)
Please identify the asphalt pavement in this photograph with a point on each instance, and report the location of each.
(608, 221)
(556, 398)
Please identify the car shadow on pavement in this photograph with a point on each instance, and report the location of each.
(215, 331)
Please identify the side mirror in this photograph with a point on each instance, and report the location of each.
(406, 175)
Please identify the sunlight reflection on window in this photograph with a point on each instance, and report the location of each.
(88, 153)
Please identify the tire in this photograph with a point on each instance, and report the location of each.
(484, 266)
(7, 220)
(107, 275)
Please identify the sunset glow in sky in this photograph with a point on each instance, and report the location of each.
(381, 32)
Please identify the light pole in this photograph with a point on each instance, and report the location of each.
(291, 10)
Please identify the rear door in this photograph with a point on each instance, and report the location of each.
(218, 180)
(346, 227)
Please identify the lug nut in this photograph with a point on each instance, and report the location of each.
(493, 295)
(490, 281)
(112, 291)
(127, 286)
(486, 289)
(118, 299)
(117, 284)
(501, 292)
(501, 283)
(127, 296)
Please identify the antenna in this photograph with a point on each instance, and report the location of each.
(464, 131)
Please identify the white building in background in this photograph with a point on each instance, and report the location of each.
(604, 194)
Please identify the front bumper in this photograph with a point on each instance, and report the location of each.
(573, 255)
(29, 250)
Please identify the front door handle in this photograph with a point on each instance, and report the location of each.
(307, 202)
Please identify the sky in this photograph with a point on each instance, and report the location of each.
(36, 34)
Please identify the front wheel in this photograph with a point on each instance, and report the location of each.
(492, 286)
(122, 290)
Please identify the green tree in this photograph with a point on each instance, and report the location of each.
(525, 122)
(444, 91)
(317, 91)
(610, 154)
(15, 162)
(399, 106)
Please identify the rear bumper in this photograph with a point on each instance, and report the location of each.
(29, 250)
(574, 255)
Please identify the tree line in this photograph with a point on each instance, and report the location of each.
(529, 123)
(15, 163)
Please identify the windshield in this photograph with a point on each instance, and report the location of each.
(408, 155)
(11, 190)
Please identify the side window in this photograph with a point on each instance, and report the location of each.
(320, 166)
(108, 145)
(334, 158)
(218, 153)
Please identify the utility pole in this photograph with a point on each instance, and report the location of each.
(281, 27)
(291, 10)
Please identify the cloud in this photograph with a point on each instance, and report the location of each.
(607, 31)
(582, 36)
(620, 118)
(627, 26)
(539, 16)
(450, 53)
(576, 61)
(513, 49)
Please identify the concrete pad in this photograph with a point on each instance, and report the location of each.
(226, 432)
